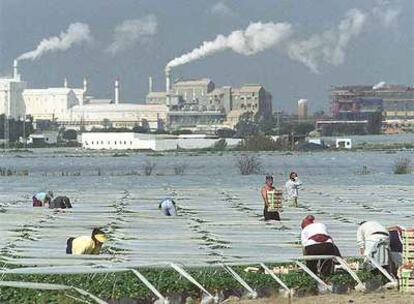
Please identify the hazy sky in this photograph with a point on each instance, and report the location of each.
(295, 48)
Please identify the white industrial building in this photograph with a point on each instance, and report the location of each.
(71, 107)
(11, 98)
(155, 142)
(52, 103)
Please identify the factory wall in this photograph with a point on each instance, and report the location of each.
(51, 104)
(137, 141)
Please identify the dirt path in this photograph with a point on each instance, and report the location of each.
(355, 298)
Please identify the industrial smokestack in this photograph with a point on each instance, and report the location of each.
(149, 84)
(85, 84)
(16, 74)
(65, 83)
(167, 79)
(117, 91)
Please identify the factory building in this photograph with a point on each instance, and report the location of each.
(72, 108)
(11, 99)
(52, 103)
(123, 115)
(390, 107)
(154, 142)
(398, 101)
(185, 103)
(200, 102)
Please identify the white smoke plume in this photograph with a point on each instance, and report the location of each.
(386, 13)
(130, 32)
(328, 47)
(255, 38)
(379, 85)
(77, 33)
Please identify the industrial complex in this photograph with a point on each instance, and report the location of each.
(184, 103)
(200, 106)
(390, 107)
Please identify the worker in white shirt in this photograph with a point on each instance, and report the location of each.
(292, 187)
(168, 207)
(317, 241)
(373, 240)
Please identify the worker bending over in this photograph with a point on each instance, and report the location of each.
(317, 241)
(373, 240)
(168, 207)
(86, 244)
(61, 202)
(42, 199)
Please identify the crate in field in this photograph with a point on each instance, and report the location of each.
(274, 198)
(408, 234)
(408, 247)
(406, 280)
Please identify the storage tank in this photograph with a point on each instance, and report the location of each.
(303, 107)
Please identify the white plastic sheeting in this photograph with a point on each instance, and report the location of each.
(221, 212)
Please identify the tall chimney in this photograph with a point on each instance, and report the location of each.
(65, 83)
(117, 91)
(167, 79)
(85, 84)
(16, 75)
(150, 84)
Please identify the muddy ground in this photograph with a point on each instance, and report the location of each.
(388, 297)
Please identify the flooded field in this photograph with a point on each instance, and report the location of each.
(221, 211)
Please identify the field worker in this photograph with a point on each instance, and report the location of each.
(317, 241)
(168, 207)
(268, 212)
(373, 240)
(396, 248)
(61, 202)
(292, 186)
(42, 199)
(86, 244)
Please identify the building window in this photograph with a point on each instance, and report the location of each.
(130, 143)
(92, 142)
(124, 142)
(115, 142)
(101, 142)
(109, 142)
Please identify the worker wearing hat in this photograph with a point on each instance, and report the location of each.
(86, 244)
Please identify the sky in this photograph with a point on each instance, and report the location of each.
(294, 48)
